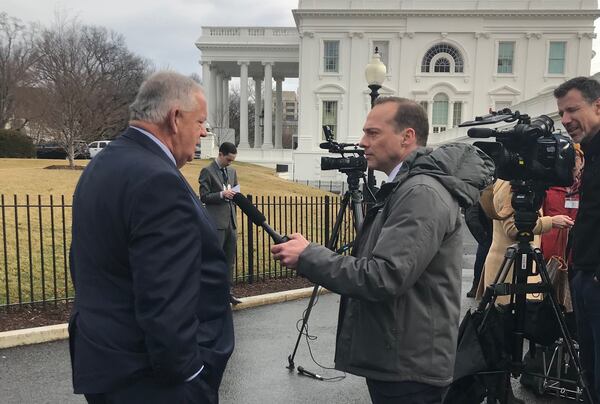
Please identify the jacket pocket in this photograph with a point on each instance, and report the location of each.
(374, 345)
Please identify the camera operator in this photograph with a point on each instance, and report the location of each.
(400, 304)
(579, 107)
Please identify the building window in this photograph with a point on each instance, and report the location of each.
(556, 58)
(449, 53)
(457, 114)
(506, 52)
(500, 105)
(439, 114)
(330, 116)
(383, 48)
(442, 65)
(331, 56)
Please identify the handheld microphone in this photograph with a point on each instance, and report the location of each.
(257, 217)
(308, 373)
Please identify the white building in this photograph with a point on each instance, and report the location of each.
(459, 58)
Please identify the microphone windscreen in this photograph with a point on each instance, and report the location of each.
(249, 210)
(481, 133)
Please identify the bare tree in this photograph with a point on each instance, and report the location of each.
(87, 78)
(195, 77)
(17, 55)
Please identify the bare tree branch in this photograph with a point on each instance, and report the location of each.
(17, 55)
(87, 78)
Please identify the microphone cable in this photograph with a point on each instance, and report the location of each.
(310, 338)
(259, 219)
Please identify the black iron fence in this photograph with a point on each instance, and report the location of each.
(36, 235)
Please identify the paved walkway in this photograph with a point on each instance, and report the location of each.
(256, 373)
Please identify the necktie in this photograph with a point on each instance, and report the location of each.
(225, 177)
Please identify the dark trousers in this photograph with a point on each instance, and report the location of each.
(404, 392)
(152, 391)
(586, 302)
(228, 240)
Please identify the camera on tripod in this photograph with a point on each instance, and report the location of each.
(530, 150)
(533, 158)
(356, 162)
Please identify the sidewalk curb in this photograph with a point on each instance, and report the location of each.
(38, 335)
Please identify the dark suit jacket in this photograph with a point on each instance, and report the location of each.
(211, 184)
(152, 295)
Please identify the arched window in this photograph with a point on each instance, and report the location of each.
(439, 113)
(442, 65)
(449, 59)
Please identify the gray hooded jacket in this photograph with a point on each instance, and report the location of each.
(400, 290)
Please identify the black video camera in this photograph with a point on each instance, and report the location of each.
(529, 150)
(344, 164)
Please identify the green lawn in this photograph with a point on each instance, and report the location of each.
(30, 177)
(35, 224)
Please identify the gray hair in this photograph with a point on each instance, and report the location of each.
(161, 92)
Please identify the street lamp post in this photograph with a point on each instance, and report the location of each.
(375, 75)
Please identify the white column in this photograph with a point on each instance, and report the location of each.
(278, 113)
(258, 107)
(430, 114)
(268, 122)
(450, 114)
(244, 105)
(206, 84)
(213, 96)
(219, 101)
(226, 101)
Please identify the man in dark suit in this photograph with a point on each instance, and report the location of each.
(151, 321)
(217, 187)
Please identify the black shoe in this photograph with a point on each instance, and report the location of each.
(471, 293)
(234, 300)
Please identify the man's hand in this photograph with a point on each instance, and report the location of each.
(229, 193)
(287, 253)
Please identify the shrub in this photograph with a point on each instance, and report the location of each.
(15, 144)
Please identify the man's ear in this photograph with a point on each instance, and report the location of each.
(596, 105)
(172, 119)
(409, 137)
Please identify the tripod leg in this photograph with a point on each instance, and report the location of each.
(331, 245)
(582, 381)
(490, 293)
(311, 302)
(500, 388)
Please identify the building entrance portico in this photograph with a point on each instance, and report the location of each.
(267, 55)
(457, 59)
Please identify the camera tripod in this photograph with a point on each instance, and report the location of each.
(352, 198)
(521, 258)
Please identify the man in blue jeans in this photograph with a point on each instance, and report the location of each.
(579, 107)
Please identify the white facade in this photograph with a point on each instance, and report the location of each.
(459, 58)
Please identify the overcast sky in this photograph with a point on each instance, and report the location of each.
(164, 31)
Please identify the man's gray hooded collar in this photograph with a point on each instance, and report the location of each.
(461, 168)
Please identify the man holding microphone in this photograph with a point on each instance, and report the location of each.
(400, 305)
